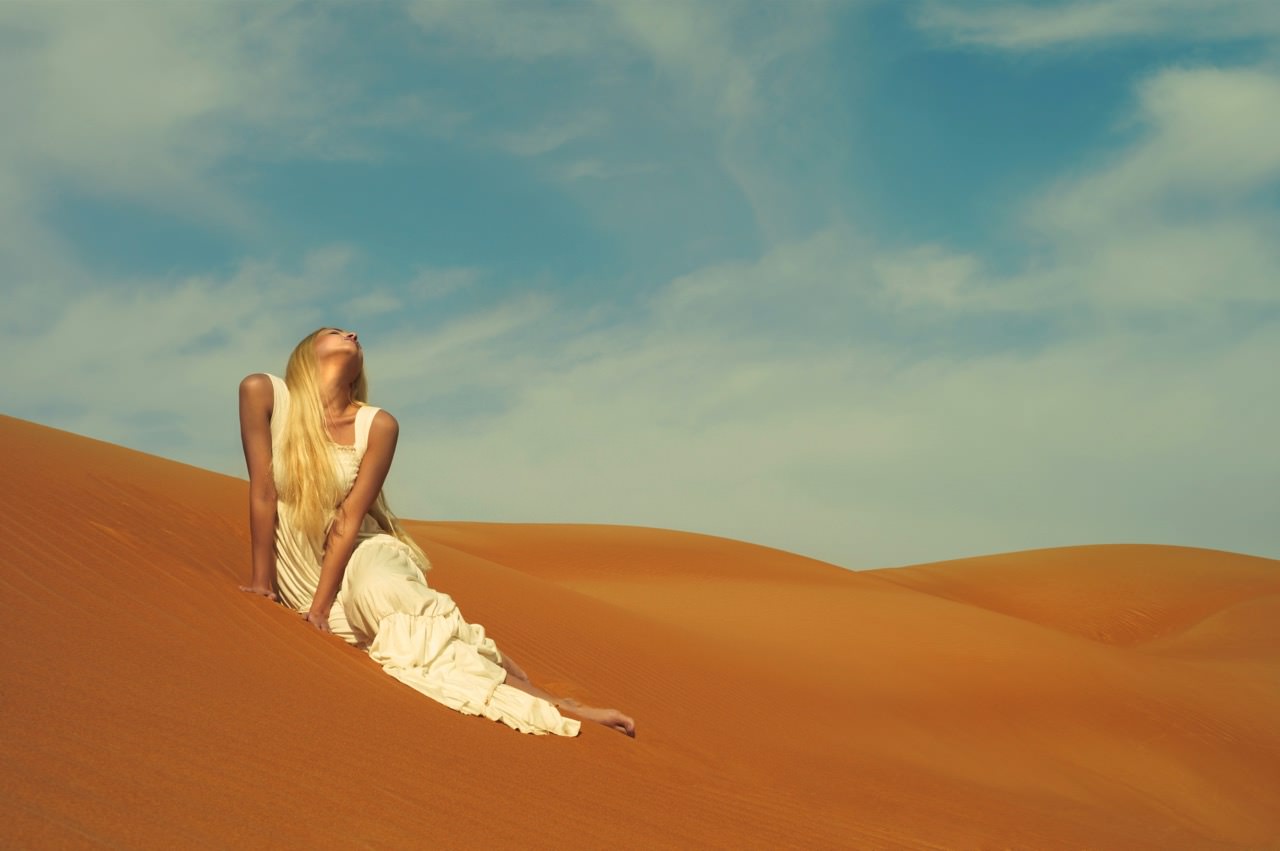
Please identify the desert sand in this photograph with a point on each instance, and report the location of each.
(1120, 697)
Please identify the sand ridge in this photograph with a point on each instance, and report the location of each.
(1102, 697)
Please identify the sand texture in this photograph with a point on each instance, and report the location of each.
(1121, 697)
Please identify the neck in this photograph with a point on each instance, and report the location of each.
(335, 388)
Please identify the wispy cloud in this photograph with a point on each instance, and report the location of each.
(143, 365)
(804, 384)
(773, 369)
(739, 75)
(375, 303)
(1209, 133)
(1026, 26)
(933, 276)
(512, 30)
(432, 283)
(1172, 219)
(547, 137)
(147, 104)
(727, 420)
(94, 111)
(596, 170)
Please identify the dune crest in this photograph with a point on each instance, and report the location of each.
(1102, 697)
(1117, 594)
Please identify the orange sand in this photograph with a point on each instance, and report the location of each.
(1104, 697)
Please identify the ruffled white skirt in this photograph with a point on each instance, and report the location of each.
(419, 637)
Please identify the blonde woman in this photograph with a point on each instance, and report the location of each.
(325, 542)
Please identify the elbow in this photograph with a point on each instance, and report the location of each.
(262, 494)
(342, 532)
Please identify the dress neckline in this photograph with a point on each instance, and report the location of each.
(356, 425)
(350, 447)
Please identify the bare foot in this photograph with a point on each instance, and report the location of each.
(260, 590)
(608, 717)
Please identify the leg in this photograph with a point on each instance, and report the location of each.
(608, 717)
(513, 669)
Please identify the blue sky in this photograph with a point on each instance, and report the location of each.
(875, 282)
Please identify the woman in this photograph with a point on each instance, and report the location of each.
(325, 541)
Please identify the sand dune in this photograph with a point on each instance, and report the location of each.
(1100, 697)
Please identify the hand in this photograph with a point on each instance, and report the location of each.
(265, 592)
(318, 620)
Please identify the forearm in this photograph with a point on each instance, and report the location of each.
(262, 534)
(338, 548)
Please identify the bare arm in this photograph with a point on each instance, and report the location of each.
(384, 432)
(257, 398)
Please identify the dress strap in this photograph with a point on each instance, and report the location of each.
(279, 406)
(364, 419)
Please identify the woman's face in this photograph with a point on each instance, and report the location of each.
(336, 340)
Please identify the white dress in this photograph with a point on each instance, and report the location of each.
(386, 607)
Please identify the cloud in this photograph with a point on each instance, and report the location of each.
(739, 80)
(876, 407)
(820, 393)
(437, 282)
(94, 111)
(699, 413)
(154, 365)
(1026, 26)
(933, 276)
(860, 451)
(1172, 219)
(759, 79)
(1208, 134)
(148, 104)
(373, 303)
(833, 393)
(487, 346)
(694, 45)
(512, 30)
(545, 138)
(596, 170)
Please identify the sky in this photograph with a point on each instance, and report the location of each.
(879, 283)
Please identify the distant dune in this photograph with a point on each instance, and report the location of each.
(1120, 697)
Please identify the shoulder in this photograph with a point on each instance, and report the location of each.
(385, 423)
(384, 429)
(257, 390)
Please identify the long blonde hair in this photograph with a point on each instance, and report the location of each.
(305, 475)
